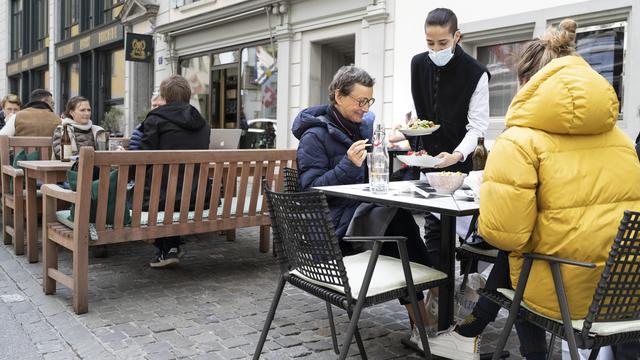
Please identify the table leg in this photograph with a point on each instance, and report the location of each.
(447, 265)
(32, 220)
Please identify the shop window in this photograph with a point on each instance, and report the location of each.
(196, 71)
(70, 81)
(70, 14)
(602, 46)
(116, 74)
(16, 28)
(41, 25)
(224, 58)
(258, 91)
(500, 61)
(107, 10)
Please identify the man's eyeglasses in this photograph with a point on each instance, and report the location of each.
(363, 101)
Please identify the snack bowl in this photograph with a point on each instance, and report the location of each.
(446, 182)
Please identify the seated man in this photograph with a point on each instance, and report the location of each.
(332, 152)
(35, 119)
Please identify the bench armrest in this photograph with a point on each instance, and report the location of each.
(554, 259)
(11, 171)
(55, 191)
(395, 239)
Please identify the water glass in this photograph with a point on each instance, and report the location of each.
(378, 173)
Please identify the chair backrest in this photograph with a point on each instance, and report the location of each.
(617, 297)
(11, 145)
(305, 237)
(291, 183)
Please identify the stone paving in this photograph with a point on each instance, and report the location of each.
(212, 307)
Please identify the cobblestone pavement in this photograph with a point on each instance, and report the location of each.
(212, 307)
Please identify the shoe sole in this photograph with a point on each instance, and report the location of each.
(165, 263)
(458, 355)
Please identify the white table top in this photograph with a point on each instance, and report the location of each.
(404, 194)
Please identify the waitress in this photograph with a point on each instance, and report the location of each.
(450, 88)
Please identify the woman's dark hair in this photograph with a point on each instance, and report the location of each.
(72, 104)
(344, 80)
(442, 17)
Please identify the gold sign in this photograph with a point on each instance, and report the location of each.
(28, 62)
(139, 47)
(89, 40)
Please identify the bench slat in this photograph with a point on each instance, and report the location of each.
(138, 193)
(242, 190)
(154, 198)
(185, 198)
(201, 193)
(121, 196)
(271, 167)
(170, 198)
(218, 172)
(103, 193)
(255, 187)
(230, 186)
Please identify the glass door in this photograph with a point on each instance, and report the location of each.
(224, 97)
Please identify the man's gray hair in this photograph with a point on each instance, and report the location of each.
(344, 80)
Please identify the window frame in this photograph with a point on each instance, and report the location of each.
(17, 30)
(70, 16)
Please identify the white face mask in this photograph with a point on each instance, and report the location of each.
(442, 57)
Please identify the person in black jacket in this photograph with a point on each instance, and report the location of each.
(174, 126)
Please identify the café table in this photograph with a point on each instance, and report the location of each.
(48, 172)
(417, 195)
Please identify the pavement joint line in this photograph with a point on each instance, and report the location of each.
(23, 274)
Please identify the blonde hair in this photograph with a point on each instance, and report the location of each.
(10, 98)
(554, 43)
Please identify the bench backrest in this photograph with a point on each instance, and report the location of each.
(231, 177)
(11, 145)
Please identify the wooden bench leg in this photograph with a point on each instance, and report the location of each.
(49, 250)
(81, 279)
(231, 235)
(265, 238)
(18, 223)
(6, 218)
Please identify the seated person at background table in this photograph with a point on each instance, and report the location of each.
(551, 188)
(10, 105)
(177, 125)
(332, 152)
(136, 135)
(82, 132)
(36, 119)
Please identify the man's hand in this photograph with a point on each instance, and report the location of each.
(357, 152)
(448, 159)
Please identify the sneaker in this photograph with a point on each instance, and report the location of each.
(449, 344)
(166, 259)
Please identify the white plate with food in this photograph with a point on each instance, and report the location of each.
(419, 128)
(466, 195)
(424, 161)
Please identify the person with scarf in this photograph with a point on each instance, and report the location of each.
(81, 130)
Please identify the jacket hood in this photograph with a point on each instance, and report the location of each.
(565, 97)
(310, 118)
(182, 114)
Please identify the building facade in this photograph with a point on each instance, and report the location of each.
(255, 64)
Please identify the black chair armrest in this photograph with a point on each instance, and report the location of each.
(554, 259)
(395, 239)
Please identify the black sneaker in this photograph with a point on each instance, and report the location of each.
(167, 259)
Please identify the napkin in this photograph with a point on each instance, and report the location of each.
(474, 180)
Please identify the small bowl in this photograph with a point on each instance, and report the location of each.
(446, 182)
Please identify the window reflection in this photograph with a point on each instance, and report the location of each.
(196, 71)
(500, 61)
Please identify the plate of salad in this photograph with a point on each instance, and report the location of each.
(420, 127)
(419, 159)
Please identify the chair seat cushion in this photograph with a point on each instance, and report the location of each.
(597, 328)
(476, 250)
(387, 276)
(63, 216)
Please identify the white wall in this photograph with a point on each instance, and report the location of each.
(409, 37)
(5, 23)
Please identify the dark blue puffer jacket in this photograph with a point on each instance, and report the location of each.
(322, 159)
(136, 138)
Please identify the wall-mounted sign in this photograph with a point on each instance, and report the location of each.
(90, 40)
(28, 62)
(139, 47)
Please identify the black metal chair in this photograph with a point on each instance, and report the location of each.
(469, 254)
(614, 314)
(310, 259)
(291, 183)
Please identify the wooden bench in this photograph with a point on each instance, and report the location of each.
(13, 203)
(233, 177)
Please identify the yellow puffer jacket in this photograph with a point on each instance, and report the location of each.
(558, 180)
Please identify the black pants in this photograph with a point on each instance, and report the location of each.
(167, 243)
(532, 339)
(403, 224)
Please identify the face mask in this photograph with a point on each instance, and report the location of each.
(442, 57)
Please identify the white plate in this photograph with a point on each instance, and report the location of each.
(419, 132)
(424, 161)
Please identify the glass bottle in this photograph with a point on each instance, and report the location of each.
(65, 145)
(479, 156)
(379, 163)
